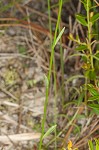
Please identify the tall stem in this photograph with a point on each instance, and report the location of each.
(50, 67)
(89, 34)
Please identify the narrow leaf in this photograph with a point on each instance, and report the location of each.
(92, 75)
(81, 20)
(93, 91)
(90, 144)
(46, 81)
(97, 144)
(84, 3)
(58, 38)
(94, 106)
(81, 47)
(94, 98)
(82, 16)
(94, 18)
(89, 3)
(50, 130)
(95, 111)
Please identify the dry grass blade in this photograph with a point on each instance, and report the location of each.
(8, 119)
(8, 93)
(80, 110)
(84, 139)
(96, 2)
(19, 137)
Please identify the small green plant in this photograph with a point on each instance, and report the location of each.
(22, 49)
(50, 130)
(93, 100)
(85, 50)
(93, 146)
(10, 77)
(90, 56)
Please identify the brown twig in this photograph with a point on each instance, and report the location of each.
(78, 144)
(24, 24)
(71, 127)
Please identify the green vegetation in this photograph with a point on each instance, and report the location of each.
(90, 90)
(83, 101)
(90, 72)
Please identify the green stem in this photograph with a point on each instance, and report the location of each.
(86, 82)
(62, 70)
(50, 68)
(55, 101)
(47, 87)
(89, 34)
